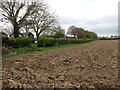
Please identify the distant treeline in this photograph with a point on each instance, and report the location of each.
(104, 38)
(81, 33)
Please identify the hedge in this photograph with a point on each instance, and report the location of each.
(4, 40)
(109, 38)
(45, 42)
(17, 43)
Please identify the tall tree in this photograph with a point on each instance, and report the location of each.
(42, 20)
(12, 12)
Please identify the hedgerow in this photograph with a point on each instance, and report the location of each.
(17, 42)
(46, 42)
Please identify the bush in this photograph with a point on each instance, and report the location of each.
(22, 42)
(45, 42)
(4, 40)
(11, 42)
(40, 43)
(18, 42)
(64, 41)
(32, 47)
(71, 41)
(49, 42)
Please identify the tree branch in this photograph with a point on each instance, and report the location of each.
(18, 10)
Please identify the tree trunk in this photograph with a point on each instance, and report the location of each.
(74, 37)
(37, 37)
(16, 31)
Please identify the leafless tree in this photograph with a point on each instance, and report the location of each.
(17, 13)
(42, 20)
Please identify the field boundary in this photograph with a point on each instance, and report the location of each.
(43, 49)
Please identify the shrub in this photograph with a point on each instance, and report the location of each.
(22, 42)
(46, 42)
(32, 47)
(71, 41)
(4, 40)
(11, 42)
(18, 42)
(63, 41)
(49, 42)
(40, 43)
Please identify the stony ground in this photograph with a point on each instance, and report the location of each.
(93, 65)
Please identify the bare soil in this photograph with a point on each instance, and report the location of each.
(7, 50)
(93, 65)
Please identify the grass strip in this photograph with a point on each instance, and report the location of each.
(33, 48)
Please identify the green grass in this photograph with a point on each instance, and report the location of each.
(0, 57)
(33, 48)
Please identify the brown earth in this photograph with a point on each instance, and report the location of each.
(92, 65)
(7, 50)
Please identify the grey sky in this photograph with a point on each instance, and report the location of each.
(100, 16)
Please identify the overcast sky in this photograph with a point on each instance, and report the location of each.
(100, 16)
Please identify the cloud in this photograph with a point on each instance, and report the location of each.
(107, 19)
(105, 25)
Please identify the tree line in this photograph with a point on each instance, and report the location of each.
(81, 33)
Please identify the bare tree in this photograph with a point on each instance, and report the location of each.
(12, 12)
(42, 20)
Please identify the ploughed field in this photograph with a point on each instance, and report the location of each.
(93, 65)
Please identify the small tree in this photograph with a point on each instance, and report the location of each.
(59, 32)
(72, 31)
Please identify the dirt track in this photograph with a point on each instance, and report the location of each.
(91, 65)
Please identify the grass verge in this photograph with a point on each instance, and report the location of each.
(33, 48)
